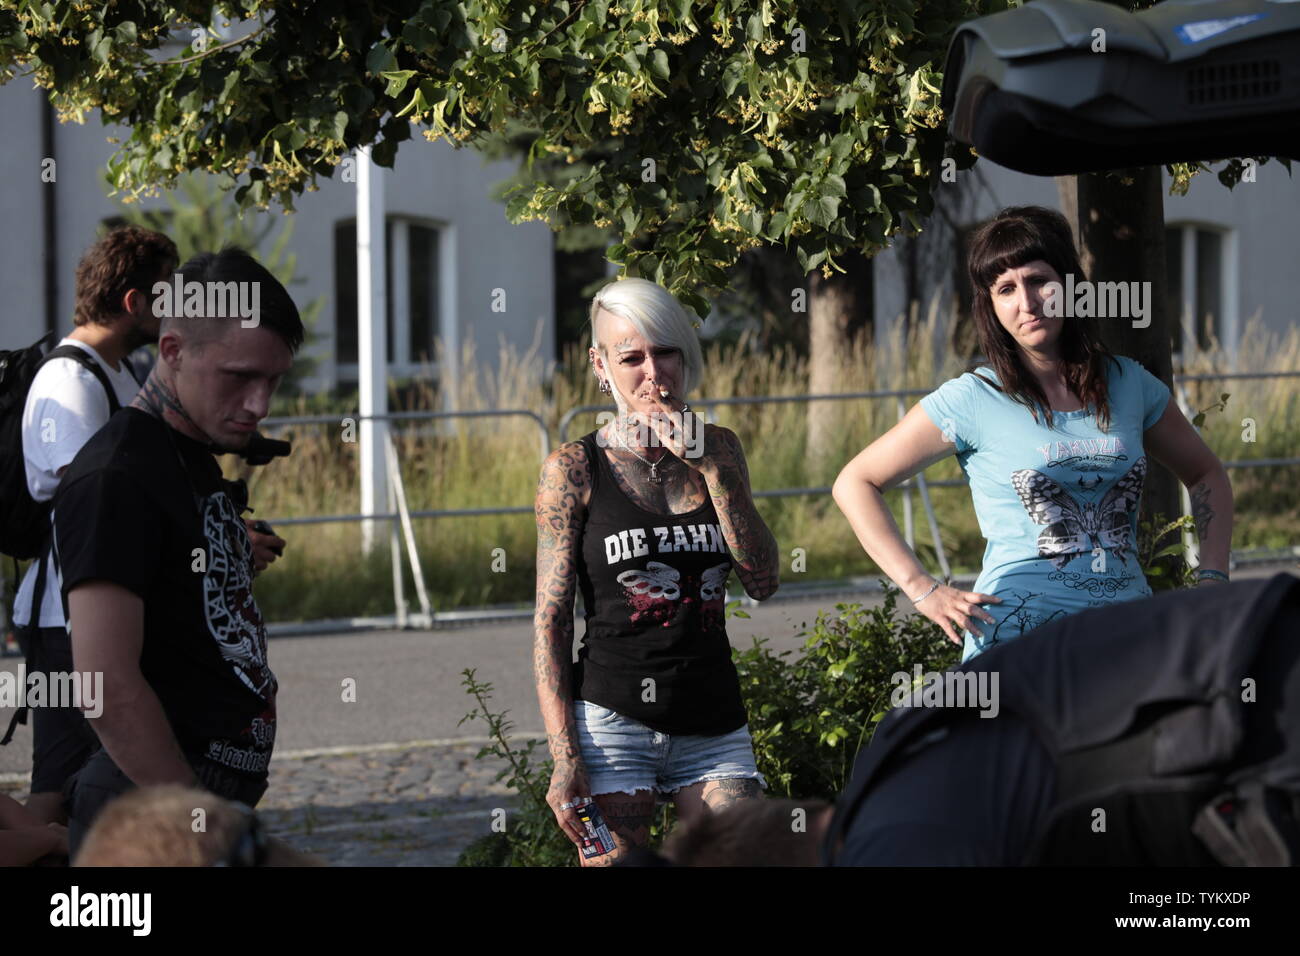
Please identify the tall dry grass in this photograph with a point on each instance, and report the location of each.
(494, 462)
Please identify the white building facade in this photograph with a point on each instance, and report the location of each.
(459, 272)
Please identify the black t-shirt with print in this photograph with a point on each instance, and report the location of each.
(127, 512)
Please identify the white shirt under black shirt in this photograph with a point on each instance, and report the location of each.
(66, 404)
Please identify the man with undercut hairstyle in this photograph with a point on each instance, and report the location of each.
(156, 560)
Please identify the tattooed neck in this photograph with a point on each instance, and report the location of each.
(158, 398)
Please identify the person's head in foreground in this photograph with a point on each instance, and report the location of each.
(225, 343)
(172, 825)
(753, 833)
(1011, 260)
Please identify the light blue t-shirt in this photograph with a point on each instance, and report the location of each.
(1058, 506)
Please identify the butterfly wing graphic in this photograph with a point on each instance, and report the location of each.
(713, 583)
(1049, 504)
(1116, 505)
(658, 582)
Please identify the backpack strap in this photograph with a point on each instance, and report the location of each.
(20, 716)
(126, 364)
(85, 361)
(34, 631)
(47, 551)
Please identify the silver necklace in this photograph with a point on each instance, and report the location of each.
(655, 477)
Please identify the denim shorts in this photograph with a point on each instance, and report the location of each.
(622, 755)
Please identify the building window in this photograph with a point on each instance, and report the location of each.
(411, 254)
(1201, 273)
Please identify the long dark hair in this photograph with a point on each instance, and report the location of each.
(1015, 237)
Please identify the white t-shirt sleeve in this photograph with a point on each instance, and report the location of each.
(66, 405)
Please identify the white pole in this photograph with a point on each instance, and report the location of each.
(372, 339)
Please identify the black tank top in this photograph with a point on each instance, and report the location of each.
(654, 587)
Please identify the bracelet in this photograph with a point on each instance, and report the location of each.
(1209, 574)
(917, 601)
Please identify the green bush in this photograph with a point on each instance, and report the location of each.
(810, 713)
(1160, 553)
(531, 836)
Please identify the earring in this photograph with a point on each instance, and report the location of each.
(604, 387)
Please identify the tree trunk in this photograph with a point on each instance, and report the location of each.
(839, 310)
(1121, 232)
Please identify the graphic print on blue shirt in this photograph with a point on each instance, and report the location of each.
(1074, 526)
(1057, 506)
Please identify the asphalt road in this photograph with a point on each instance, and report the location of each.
(408, 683)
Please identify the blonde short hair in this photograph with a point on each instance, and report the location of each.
(156, 826)
(658, 317)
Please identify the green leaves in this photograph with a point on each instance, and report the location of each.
(100, 46)
(831, 142)
(810, 713)
(380, 60)
(823, 210)
(1160, 552)
(397, 80)
(659, 64)
(1198, 420)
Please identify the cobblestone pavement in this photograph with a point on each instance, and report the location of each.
(416, 804)
(404, 806)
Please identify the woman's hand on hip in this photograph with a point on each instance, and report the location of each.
(947, 606)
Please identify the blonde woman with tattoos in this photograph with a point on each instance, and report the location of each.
(648, 516)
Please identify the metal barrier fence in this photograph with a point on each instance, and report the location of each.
(920, 483)
(401, 519)
(287, 421)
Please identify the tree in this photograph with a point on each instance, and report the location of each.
(1119, 225)
(205, 220)
(700, 130)
(734, 124)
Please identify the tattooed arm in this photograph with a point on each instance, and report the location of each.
(559, 510)
(753, 547)
(1212, 509)
(1174, 443)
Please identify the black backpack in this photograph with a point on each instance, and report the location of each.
(25, 522)
(1140, 707)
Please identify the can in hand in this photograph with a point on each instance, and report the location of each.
(599, 840)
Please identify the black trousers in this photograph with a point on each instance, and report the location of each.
(100, 781)
(62, 738)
